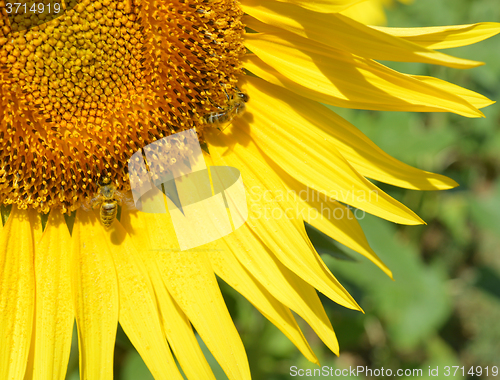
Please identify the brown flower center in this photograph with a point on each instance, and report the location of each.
(79, 94)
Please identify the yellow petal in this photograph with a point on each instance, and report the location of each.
(95, 292)
(343, 33)
(277, 132)
(367, 12)
(337, 78)
(54, 302)
(191, 282)
(325, 6)
(17, 293)
(288, 288)
(227, 267)
(37, 229)
(176, 325)
(325, 128)
(139, 316)
(333, 219)
(270, 220)
(179, 333)
(474, 98)
(445, 37)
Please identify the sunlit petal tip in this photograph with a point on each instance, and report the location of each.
(450, 183)
(445, 37)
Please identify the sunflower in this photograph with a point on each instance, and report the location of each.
(82, 91)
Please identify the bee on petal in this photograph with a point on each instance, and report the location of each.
(235, 105)
(107, 198)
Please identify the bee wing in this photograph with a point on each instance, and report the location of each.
(125, 200)
(87, 204)
(128, 203)
(118, 195)
(92, 203)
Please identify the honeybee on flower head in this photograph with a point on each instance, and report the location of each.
(235, 105)
(107, 198)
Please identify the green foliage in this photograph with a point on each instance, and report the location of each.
(413, 306)
(134, 368)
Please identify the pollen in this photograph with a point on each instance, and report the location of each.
(81, 93)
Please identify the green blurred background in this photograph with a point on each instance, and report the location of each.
(443, 308)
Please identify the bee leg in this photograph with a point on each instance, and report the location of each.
(215, 105)
(227, 95)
